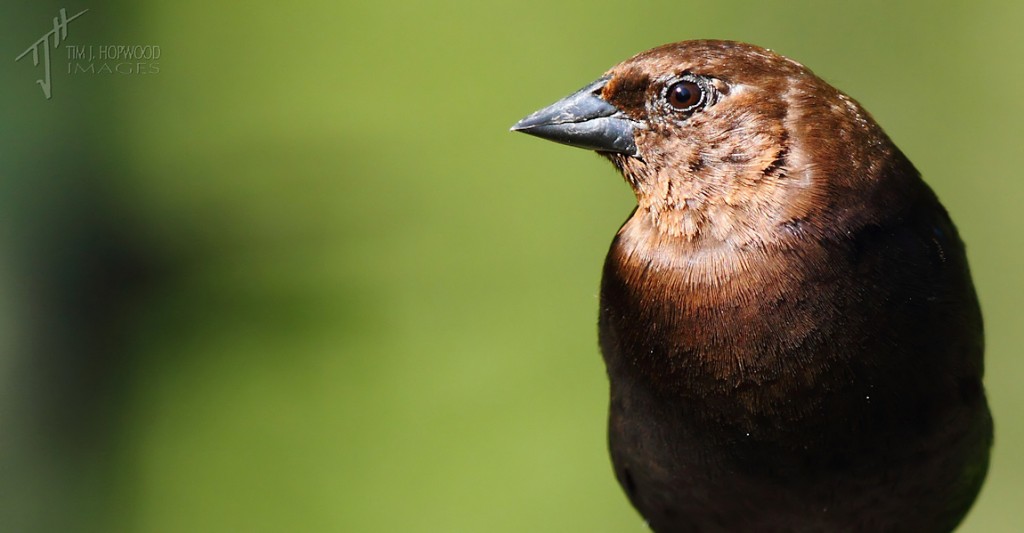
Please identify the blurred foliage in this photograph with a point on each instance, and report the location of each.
(303, 278)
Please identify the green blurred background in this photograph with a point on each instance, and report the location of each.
(304, 279)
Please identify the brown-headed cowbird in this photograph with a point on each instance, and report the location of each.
(792, 338)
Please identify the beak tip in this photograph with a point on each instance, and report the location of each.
(525, 123)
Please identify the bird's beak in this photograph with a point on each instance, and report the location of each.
(585, 120)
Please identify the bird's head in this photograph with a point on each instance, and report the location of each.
(724, 142)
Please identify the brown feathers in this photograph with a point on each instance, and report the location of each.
(792, 338)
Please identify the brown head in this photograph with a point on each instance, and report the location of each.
(729, 146)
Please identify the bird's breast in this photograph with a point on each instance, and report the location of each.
(696, 321)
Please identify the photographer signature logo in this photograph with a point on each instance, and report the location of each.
(58, 33)
(101, 59)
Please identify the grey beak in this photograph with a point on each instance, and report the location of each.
(583, 119)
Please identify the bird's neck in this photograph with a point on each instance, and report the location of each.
(720, 204)
(650, 241)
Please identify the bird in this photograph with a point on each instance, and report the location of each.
(792, 337)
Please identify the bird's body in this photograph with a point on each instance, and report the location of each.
(835, 389)
(791, 334)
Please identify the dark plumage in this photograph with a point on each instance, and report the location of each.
(791, 334)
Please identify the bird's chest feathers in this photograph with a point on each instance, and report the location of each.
(714, 320)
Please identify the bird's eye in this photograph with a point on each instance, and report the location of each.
(685, 95)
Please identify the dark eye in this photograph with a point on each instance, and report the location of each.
(685, 95)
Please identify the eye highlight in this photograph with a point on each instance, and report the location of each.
(685, 95)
